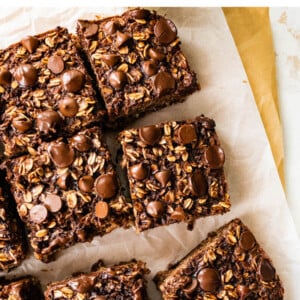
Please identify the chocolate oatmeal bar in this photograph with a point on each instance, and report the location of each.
(12, 238)
(67, 192)
(229, 264)
(123, 281)
(45, 91)
(24, 288)
(138, 63)
(175, 172)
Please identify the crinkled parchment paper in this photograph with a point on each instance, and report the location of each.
(256, 193)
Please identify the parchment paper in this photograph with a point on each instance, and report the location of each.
(256, 193)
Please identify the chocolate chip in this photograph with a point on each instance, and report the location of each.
(117, 79)
(111, 27)
(247, 240)
(209, 279)
(22, 125)
(38, 214)
(53, 202)
(266, 271)
(5, 78)
(187, 134)
(86, 183)
(163, 83)
(26, 75)
(73, 80)
(189, 289)
(243, 291)
(90, 29)
(178, 214)
(139, 13)
(214, 157)
(198, 184)
(61, 154)
(82, 142)
(101, 209)
(121, 39)
(165, 31)
(163, 177)
(56, 64)
(111, 59)
(62, 180)
(149, 67)
(68, 107)
(30, 43)
(106, 185)
(139, 171)
(155, 209)
(47, 121)
(155, 54)
(150, 135)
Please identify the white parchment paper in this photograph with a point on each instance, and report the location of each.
(256, 193)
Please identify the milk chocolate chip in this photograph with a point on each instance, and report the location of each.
(47, 121)
(68, 107)
(155, 209)
(61, 154)
(163, 177)
(82, 142)
(214, 157)
(90, 29)
(26, 75)
(266, 271)
(106, 185)
(150, 135)
(187, 134)
(111, 27)
(163, 83)
(86, 183)
(117, 79)
(111, 59)
(155, 54)
(121, 39)
(30, 43)
(139, 171)
(209, 279)
(73, 80)
(5, 78)
(38, 214)
(53, 202)
(198, 184)
(62, 180)
(101, 210)
(22, 125)
(149, 67)
(247, 240)
(56, 64)
(165, 31)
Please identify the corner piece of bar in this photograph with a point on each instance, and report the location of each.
(229, 264)
(138, 63)
(67, 192)
(122, 281)
(45, 91)
(175, 172)
(22, 288)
